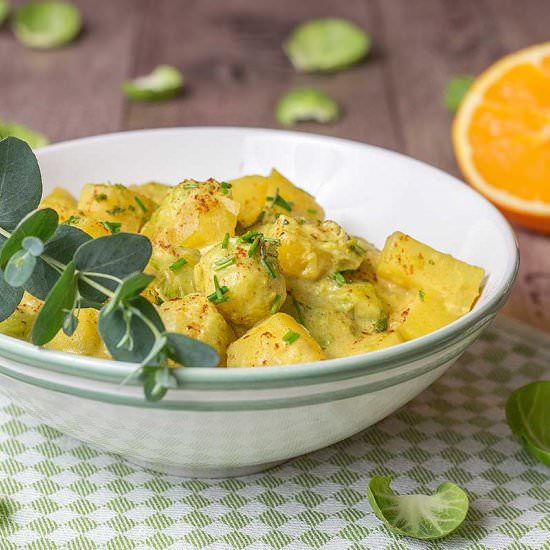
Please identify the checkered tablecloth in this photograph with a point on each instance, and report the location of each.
(59, 493)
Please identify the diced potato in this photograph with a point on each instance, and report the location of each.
(414, 265)
(89, 225)
(196, 317)
(115, 203)
(62, 202)
(279, 340)
(85, 339)
(194, 215)
(252, 289)
(19, 323)
(371, 256)
(373, 342)
(250, 193)
(173, 270)
(313, 250)
(257, 196)
(153, 190)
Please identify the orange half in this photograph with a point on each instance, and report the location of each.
(501, 136)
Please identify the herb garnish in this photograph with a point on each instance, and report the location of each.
(225, 242)
(219, 294)
(338, 278)
(279, 201)
(264, 259)
(191, 186)
(177, 264)
(71, 220)
(354, 245)
(225, 187)
(116, 210)
(276, 304)
(421, 295)
(222, 263)
(381, 324)
(139, 202)
(299, 312)
(101, 197)
(113, 227)
(290, 337)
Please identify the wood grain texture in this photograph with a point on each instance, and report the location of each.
(231, 55)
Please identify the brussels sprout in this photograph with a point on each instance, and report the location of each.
(423, 517)
(163, 82)
(528, 415)
(456, 90)
(306, 104)
(327, 44)
(47, 24)
(34, 139)
(4, 10)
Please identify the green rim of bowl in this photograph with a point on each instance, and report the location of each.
(279, 376)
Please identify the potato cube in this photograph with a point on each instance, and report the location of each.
(153, 190)
(62, 202)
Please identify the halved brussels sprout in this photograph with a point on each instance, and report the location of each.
(4, 10)
(326, 44)
(306, 104)
(163, 82)
(34, 139)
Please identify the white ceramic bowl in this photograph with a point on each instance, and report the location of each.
(226, 422)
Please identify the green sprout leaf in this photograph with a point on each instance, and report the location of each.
(131, 287)
(11, 298)
(19, 268)
(46, 24)
(20, 182)
(4, 10)
(528, 415)
(58, 304)
(456, 90)
(61, 247)
(327, 44)
(33, 245)
(163, 82)
(40, 223)
(423, 517)
(34, 139)
(306, 104)
(189, 352)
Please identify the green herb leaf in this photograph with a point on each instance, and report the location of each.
(299, 312)
(47, 24)
(290, 337)
(189, 352)
(100, 197)
(421, 295)
(381, 324)
(4, 10)
(11, 298)
(19, 269)
(423, 517)
(40, 223)
(115, 325)
(225, 187)
(219, 294)
(131, 287)
(163, 82)
(225, 242)
(177, 264)
(33, 245)
(528, 415)
(455, 91)
(275, 306)
(60, 247)
(113, 227)
(20, 182)
(222, 263)
(338, 278)
(34, 139)
(306, 104)
(70, 324)
(58, 304)
(326, 44)
(139, 202)
(153, 390)
(354, 245)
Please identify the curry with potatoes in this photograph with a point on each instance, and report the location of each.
(253, 268)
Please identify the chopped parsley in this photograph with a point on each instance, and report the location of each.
(431, 262)
(71, 220)
(299, 312)
(177, 264)
(276, 304)
(139, 202)
(381, 324)
(113, 227)
(101, 197)
(290, 337)
(338, 278)
(222, 263)
(225, 187)
(249, 236)
(421, 295)
(219, 294)
(354, 245)
(254, 247)
(311, 211)
(225, 242)
(115, 210)
(264, 261)
(277, 200)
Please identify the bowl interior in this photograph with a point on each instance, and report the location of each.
(370, 191)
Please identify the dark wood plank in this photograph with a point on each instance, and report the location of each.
(231, 54)
(73, 91)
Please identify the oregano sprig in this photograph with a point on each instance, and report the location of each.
(69, 270)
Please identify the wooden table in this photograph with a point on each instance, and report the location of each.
(231, 54)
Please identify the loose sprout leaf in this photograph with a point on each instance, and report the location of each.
(189, 352)
(60, 247)
(456, 90)
(10, 298)
(326, 44)
(130, 287)
(34, 139)
(118, 255)
(419, 516)
(46, 24)
(40, 223)
(4, 10)
(58, 303)
(19, 268)
(163, 82)
(306, 104)
(112, 328)
(20, 182)
(528, 415)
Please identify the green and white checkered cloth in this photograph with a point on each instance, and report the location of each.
(60, 493)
